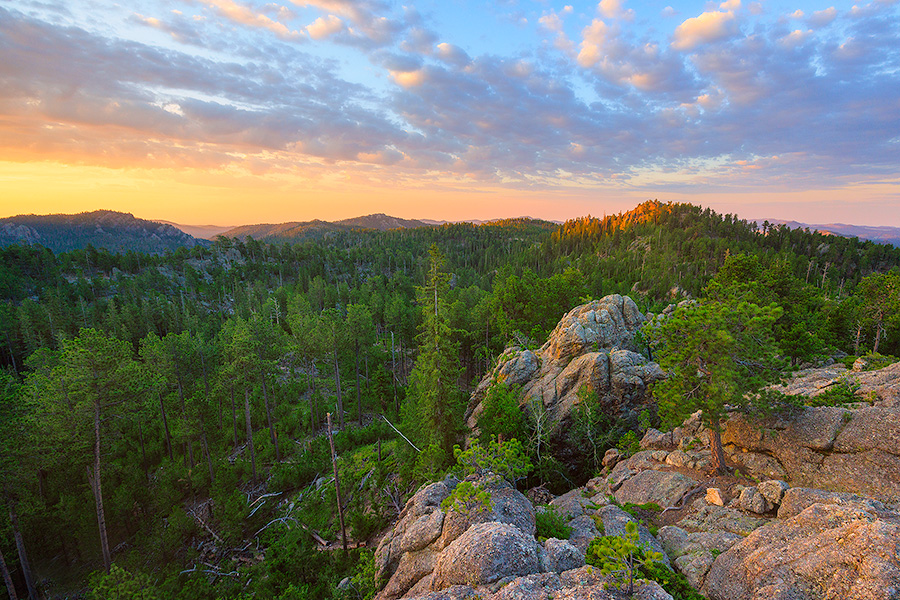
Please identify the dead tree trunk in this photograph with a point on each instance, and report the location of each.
(98, 491)
(337, 485)
(7, 579)
(23, 555)
(718, 456)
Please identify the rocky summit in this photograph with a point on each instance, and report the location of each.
(592, 348)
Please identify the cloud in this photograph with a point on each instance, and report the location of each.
(243, 15)
(821, 18)
(553, 22)
(706, 28)
(621, 107)
(452, 54)
(612, 9)
(595, 43)
(324, 27)
(74, 93)
(368, 25)
(621, 62)
(408, 79)
(795, 38)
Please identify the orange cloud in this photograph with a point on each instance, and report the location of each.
(708, 27)
(243, 15)
(324, 26)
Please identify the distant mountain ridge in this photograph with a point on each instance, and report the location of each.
(114, 231)
(880, 234)
(297, 231)
(201, 232)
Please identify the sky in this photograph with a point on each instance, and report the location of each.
(235, 112)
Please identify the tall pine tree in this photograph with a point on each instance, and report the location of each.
(434, 386)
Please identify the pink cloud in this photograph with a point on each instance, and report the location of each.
(703, 29)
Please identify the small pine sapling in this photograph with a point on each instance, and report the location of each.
(621, 557)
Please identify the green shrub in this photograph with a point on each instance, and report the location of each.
(627, 562)
(507, 459)
(674, 583)
(501, 417)
(120, 584)
(842, 392)
(629, 443)
(468, 498)
(621, 557)
(875, 360)
(364, 583)
(551, 524)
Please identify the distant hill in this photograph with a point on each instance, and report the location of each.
(881, 234)
(299, 231)
(114, 231)
(201, 232)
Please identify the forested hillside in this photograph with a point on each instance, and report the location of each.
(113, 231)
(163, 416)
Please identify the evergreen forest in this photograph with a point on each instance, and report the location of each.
(165, 419)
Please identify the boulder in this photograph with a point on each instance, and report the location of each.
(657, 440)
(584, 583)
(485, 553)
(714, 496)
(614, 521)
(678, 458)
(722, 519)
(773, 490)
(410, 569)
(796, 500)
(752, 501)
(560, 555)
(583, 531)
(421, 532)
(571, 504)
(693, 554)
(508, 506)
(845, 552)
(611, 457)
(418, 525)
(665, 488)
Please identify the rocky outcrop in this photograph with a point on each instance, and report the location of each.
(842, 449)
(693, 553)
(485, 553)
(826, 550)
(591, 348)
(493, 554)
(584, 583)
(411, 552)
(559, 556)
(882, 385)
(850, 449)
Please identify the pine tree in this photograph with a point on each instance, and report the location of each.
(716, 354)
(433, 382)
